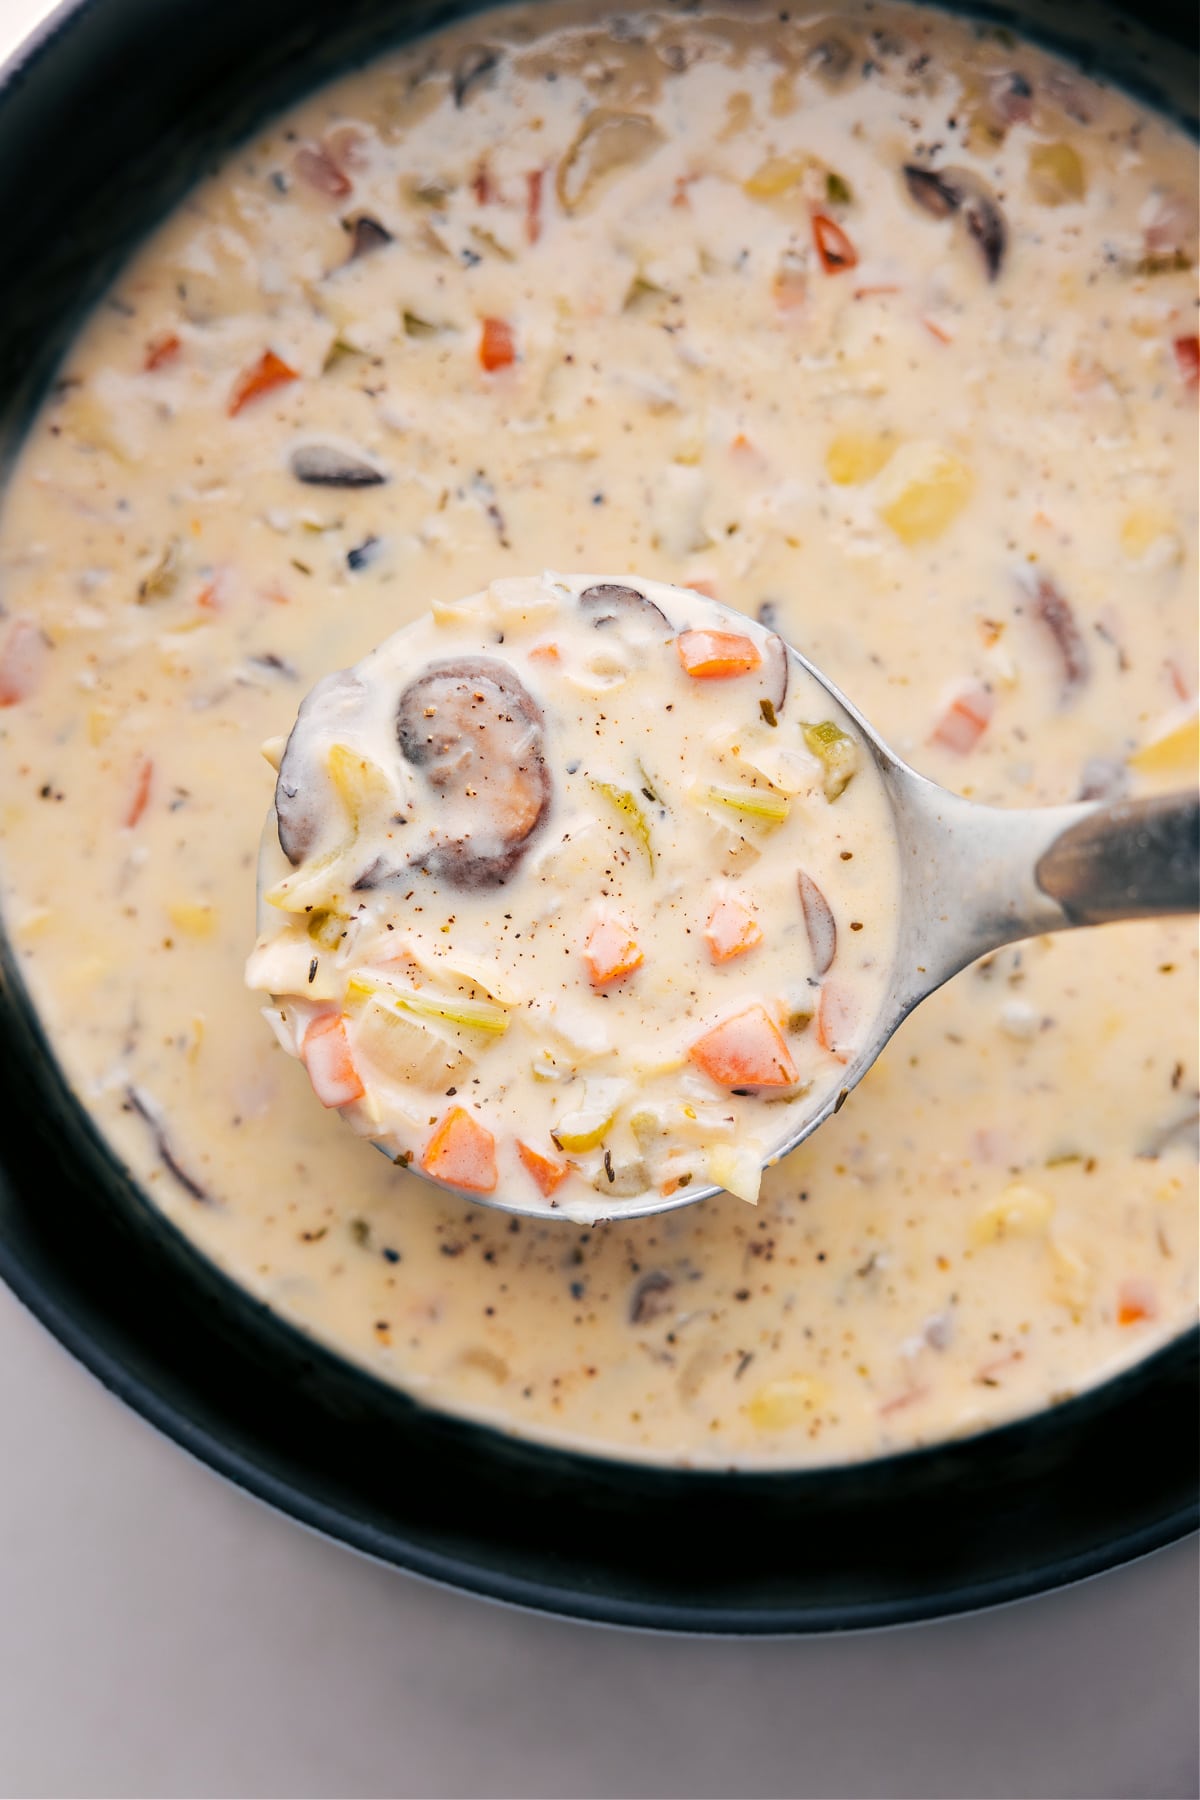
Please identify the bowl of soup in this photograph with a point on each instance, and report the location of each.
(874, 325)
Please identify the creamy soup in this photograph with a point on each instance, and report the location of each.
(593, 863)
(879, 327)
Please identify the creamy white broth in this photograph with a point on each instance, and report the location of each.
(600, 864)
(910, 464)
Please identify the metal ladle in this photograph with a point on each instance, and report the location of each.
(973, 878)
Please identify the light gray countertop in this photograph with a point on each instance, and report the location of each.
(163, 1635)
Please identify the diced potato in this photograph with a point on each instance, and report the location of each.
(1150, 534)
(1056, 174)
(405, 1048)
(1175, 751)
(521, 603)
(1020, 1211)
(1071, 1281)
(857, 456)
(737, 1168)
(777, 175)
(628, 1180)
(198, 919)
(922, 491)
(789, 1400)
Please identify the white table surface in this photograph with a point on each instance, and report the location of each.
(162, 1635)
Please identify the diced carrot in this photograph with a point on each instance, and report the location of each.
(611, 951)
(462, 1153)
(703, 584)
(139, 794)
(161, 350)
(716, 655)
(270, 371)
(316, 167)
(880, 287)
(731, 931)
(481, 184)
(533, 205)
(545, 1171)
(1187, 360)
(836, 1017)
(965, 719)
(936, 331)
(21, 662)
(1136, 1300)
(544, 653)
(326, 1054)
(497, 346)
(833, 246)
(745, 1051)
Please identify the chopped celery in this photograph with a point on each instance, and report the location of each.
(472, 1015)
(325, 927)
(836, 752)
(313, 885)
(754, 803)
(632, 815)
(358, 781)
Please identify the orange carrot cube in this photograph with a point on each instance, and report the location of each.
(716, 655)
(462, 1153)
(545, 1170)
(326, 1055)
(745, 1051)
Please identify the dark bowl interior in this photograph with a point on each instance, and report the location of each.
(104, 123)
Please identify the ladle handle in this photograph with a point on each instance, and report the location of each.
(1134, 859)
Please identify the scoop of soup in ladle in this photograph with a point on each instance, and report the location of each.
(590, 897)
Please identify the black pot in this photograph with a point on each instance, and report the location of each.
(105, 120)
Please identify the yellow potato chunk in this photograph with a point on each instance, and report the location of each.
(198, 919)
(1174, 752)
(1056, 174)
(1151, 528)
(922, 491)
(1020, 1211)
(857, 456)
(789, 1400)
(778, 175)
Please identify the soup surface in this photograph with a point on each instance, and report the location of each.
(878, 326)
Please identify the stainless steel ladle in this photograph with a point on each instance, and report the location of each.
(973, 878)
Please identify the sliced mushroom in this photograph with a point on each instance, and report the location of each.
(775, 671)
(943, 193)
(608, 602)
(325, 465)
(1053, 610)
(473, 70)
(333, 704)
(830, 59)
(652, 1297)
(366, 234)
(819, 922)
(475, 732)
(606, 141)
